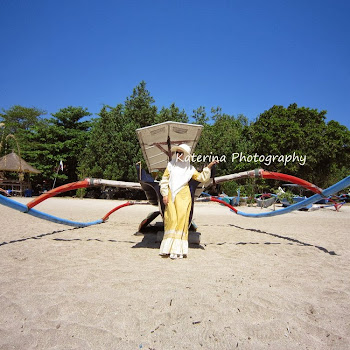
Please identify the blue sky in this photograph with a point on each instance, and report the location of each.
(244, 56)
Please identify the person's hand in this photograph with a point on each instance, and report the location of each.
(213, 163)
(165, 200)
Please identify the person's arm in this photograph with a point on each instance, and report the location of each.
(204, 176)
(164, 186)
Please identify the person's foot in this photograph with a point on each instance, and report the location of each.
(173, 256)
(180, 256)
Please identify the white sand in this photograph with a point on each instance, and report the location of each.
(270, 283)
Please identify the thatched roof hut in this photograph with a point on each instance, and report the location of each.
(12, 162)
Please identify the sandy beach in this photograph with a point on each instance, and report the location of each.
(274, 283)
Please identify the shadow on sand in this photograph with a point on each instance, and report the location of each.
(149, 240)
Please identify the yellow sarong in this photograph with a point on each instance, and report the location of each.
(176, 216)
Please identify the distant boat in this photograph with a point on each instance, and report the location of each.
(323, 201)
(265, 202)
(296, 199)
(234, 201)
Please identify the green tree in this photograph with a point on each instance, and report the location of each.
(303, 131)
(17, 120)
(200, 116)
(62, 137)
(103, 154)
(221, 137)
(113, 148)
(335, 163)
(139, 108)
(172, 113)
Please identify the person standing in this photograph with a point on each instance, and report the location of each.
(177, 200)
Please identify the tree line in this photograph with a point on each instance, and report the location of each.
(106, 146)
